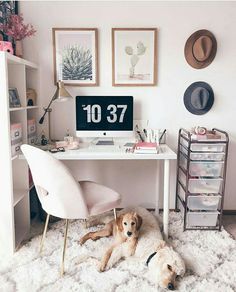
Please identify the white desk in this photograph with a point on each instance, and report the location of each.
(165, 153)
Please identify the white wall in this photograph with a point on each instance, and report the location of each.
(161, 104)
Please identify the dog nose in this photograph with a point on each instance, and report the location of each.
(170, 286)
(129, 233)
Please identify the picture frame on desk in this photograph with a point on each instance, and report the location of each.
(134, 56)
(14, 100)
(75, 56)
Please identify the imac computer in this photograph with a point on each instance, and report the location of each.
(104, 116)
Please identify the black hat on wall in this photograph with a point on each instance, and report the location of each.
(199, 98)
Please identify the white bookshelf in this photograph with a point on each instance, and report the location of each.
(14, 193)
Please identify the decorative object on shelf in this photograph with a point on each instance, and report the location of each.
(7, 8)
(14, 100)
(61, 94)
(16, 29)
(6, 47)
(75, 54)
(134, 56)
(201, 176)
(44, 140)
(199, 98)
(31, 96)
(200, 49)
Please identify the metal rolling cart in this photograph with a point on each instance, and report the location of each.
(201, 176)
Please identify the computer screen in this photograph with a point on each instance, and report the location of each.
(104, 116)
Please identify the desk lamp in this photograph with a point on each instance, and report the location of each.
(61, 94)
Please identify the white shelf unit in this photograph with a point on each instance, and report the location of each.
(14, 195)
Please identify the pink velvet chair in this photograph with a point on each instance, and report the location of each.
(62, 196)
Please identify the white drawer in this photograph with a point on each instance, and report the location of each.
(204, 147)
(210, 169)
(201, 185)
(195, 219)
(204, 156)
(207, 203)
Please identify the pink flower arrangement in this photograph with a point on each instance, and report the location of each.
(16, 28)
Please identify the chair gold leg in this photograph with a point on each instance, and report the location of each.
(64, 248)
(114, 210)
(44, 233)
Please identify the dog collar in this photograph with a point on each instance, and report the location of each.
(150, 257)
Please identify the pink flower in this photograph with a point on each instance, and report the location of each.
(16, 28)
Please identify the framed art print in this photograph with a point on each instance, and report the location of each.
(75, 52)
(14, 100)
(134, 56)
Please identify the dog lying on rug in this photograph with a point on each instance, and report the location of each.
(164, 264)
(124, 229)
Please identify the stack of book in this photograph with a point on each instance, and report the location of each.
(146, 148)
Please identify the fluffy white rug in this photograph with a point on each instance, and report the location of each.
(210, 258)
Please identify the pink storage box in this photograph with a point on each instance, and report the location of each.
(31, 127)
(15, 149)
(16, 133)
(32, 138)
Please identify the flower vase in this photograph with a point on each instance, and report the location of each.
(18, 49)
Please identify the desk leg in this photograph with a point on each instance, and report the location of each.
(157, 191)
(166, 197)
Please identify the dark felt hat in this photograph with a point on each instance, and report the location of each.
(199, 98)
(200, 49)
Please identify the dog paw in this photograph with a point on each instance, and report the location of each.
(101, 268)
(81, 242)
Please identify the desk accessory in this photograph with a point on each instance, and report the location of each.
(61, 94)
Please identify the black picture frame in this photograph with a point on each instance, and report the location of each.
(6, 9)
(14, 100)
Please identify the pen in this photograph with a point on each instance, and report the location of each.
(139, 133)
(162, 136)
(145, 132)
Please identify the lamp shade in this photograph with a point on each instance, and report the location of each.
(61, 93)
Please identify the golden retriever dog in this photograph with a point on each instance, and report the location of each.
(164, 265)
(124, 229)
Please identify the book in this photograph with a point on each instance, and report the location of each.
(146, 151)
(146, 145)
(146, 148)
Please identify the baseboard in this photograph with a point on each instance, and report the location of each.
(229, 212)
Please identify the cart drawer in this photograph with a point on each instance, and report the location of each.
(195, 219)
(204, 156)
(202, 185)
(211, 169)
(204, 147)
(206, 203)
